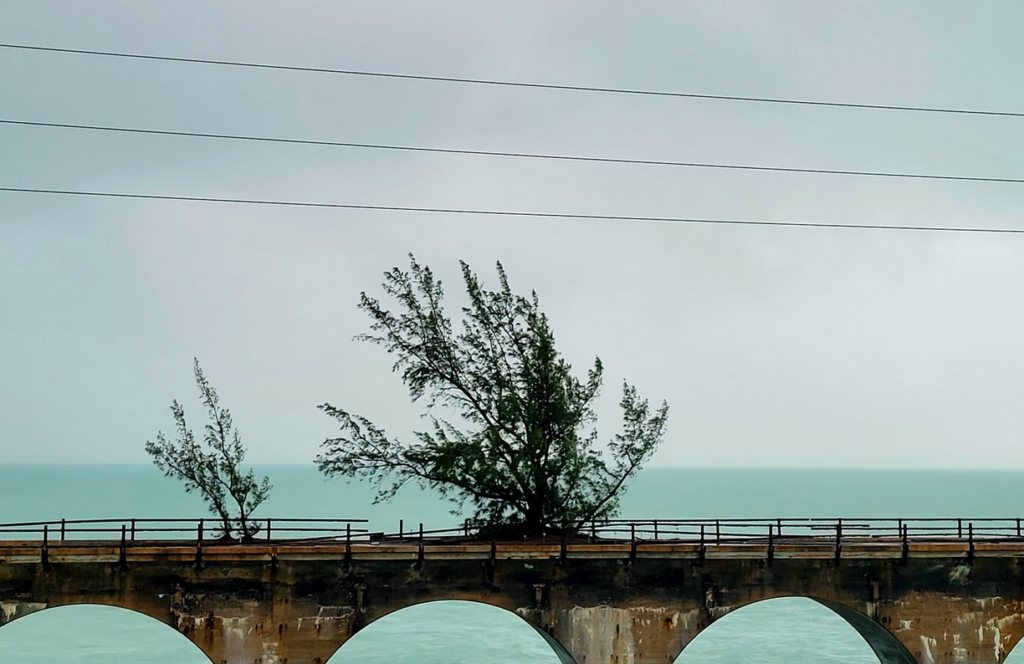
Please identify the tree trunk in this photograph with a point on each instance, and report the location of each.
(534, 523)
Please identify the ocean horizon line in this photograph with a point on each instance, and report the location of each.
(844, 469)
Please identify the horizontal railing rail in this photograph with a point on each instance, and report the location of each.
(719, 531)
(738, 531)
(202, 529)
(706, 532)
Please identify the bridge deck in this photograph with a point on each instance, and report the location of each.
(85, 551)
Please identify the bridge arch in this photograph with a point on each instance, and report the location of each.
(434, 620)
(880, 642)
(34, 633)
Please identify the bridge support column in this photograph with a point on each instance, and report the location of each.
(947, 628)
(273, 630)
(636, 635)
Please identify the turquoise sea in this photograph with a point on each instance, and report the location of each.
(783, 631)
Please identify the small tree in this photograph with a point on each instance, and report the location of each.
(522, 449)
(212, 468)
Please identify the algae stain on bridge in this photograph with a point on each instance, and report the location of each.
(12, 610)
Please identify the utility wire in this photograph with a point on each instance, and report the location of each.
(508, 213)
(515, 84)
(520, 155)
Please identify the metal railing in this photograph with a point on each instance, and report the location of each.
(202, 529)
(754, 531)
(707, 532)
(738, 531)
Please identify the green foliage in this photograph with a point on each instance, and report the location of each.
(212, 468)
(520, 448)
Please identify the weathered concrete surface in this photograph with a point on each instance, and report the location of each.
(595, 604)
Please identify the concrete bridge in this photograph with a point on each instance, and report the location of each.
(935, 599)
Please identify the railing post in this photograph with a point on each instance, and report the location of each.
(778, 524)
(593, 531)
(62, 523)
(655, 530)
(970, 542)
(700, 552)
(1018, 527)
(421, 555)
(839, 540)
(899, 528)
(906, 546)
(199, 545)
(269, 528)
(771, 545)
(133, 530)
(348, 545)
(718, 533)
(959, 529)
(465, 528)
(44, 554)
(492, 561)
(401, 529)
(123, 557)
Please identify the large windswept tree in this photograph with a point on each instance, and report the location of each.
(512, 429)
(212, 468)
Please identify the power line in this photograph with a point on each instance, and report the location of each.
(509, 213)
(520, 155)
(516, 84)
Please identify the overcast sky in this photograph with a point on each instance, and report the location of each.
(773, 346)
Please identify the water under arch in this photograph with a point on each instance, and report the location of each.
(785, 630)
(448, 632)
(91, 634)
